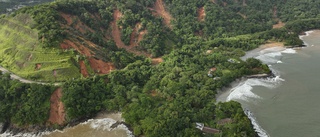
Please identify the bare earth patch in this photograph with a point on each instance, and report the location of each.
(80, 26)
(116, 34)
(136, 35)
(161, 11)
(65, 46)
(83, 69)
(272, 44)
(156, 61)
(38, 66)
(280, 24)
(100, 66)
(81, 49)
(201, 14)
(154, 93)
(57, 114)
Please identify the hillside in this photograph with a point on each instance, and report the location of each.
(159, 62)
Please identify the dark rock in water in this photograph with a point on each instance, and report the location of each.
(303, 33)
(260, 76)
(296, 46)
(115, 125)
(3, 127)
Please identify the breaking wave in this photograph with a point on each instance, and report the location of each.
(243, 91)
(103, 124)
(261, 132)
(307, 34)
(270, 56)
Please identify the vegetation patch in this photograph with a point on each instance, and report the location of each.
(22, 53)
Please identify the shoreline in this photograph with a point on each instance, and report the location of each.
(225, 91)
(116, 122)
(223, 94)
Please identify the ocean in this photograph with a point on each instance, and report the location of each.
(100, 126)
(283, 106)
(287, 105)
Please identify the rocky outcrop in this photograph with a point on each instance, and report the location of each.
(1, 127)
(260, 75)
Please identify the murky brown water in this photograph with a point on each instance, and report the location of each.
(98, 127)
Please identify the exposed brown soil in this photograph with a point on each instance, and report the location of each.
(57, 114)
(81, 49)
(280, 24)
(65, 46)
(201, 14)
(161, 11)
(154, 93)
(97, 65)
(89, 43)
(67, 17)
(100, 66)
(38, 66)
(116, 34)
(80, 26)
(272, 44)
(136, 35)
(83, 69)
(156, 61)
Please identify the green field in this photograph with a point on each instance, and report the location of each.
(21, 52)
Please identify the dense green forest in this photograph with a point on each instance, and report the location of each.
(200, 43)
(23, 103)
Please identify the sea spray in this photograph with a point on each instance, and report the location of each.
(103, 125)
(261, 132)
(244, 90)
(307, 33)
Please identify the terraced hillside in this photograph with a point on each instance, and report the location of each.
(22, 54)
(159, 62)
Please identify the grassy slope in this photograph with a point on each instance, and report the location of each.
(20, 52)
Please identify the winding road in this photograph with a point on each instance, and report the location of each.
(16, 77)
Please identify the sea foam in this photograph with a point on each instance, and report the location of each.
(261, 132)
